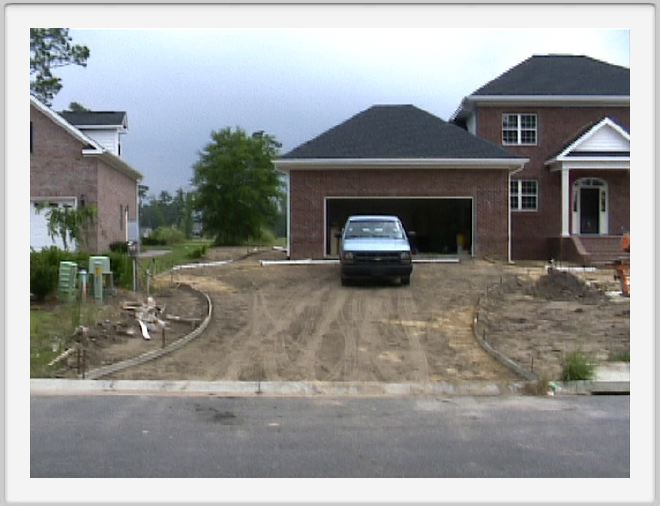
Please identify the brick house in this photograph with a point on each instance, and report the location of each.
(533, 165)
(76, 165)
(570, 115)
(448, 186)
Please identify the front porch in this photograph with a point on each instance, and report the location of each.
(595, 195)
(589, 250)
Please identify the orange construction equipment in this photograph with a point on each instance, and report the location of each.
(622, 268)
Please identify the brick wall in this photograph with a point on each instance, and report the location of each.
(58, 169)
(533, 232)
(488, 188)
(117, 190)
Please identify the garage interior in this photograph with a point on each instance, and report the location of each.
(440, 226)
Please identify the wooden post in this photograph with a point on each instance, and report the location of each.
(78, 359)
(163, 337)
(84, 362)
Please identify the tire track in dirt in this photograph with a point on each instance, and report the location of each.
(319, 328)
(418, 356)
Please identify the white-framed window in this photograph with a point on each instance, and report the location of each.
(519, 129)
(524, 195)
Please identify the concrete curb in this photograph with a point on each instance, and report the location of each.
(591, 387)
(154, 354)
(497, 355)
(270, 388)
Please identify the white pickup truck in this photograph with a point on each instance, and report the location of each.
(375, 247)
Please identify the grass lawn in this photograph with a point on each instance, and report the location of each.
(51, 332)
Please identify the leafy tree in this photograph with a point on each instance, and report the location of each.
(237, 185)
(51, 48)
(76, 107)
(70, 224)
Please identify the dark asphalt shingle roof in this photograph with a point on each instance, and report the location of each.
(83, 118)
(560, 75)
(396, 131)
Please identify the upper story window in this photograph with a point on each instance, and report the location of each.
(519, 129)
(524, 195)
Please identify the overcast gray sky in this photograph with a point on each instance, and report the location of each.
(179, 85)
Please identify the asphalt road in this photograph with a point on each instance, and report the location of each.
(201, 436)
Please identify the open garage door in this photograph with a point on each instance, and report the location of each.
(442, 226)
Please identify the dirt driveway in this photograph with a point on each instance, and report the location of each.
(287, 323)
(298, 323)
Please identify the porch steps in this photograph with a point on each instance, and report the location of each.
(600, 250)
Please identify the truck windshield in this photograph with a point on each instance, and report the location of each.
(373, 229)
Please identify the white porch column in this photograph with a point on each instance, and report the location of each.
(565, 202)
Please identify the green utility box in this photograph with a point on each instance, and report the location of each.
(67, 280)
(100, 274)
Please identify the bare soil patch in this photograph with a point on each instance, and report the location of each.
(118, 337)
(288, 323)
(536, 322)
(282, 323)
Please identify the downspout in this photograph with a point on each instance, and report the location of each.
(509, 218)
(137, 212)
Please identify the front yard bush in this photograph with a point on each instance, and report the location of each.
(44, 269)
(577, 366)
(164, 236)
(121, 266)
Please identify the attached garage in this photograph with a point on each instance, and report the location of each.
(441, 225)
(447, 186)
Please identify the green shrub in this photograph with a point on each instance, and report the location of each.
(198, 252)
(45, 266)
(165, 236)
(577, 366)
(121, 266)
(119, 247)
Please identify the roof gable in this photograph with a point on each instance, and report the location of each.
(90, 146)
(396, 132)
(605, 139)
(560, 75)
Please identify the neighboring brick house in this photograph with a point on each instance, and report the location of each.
(446, 185)
(570, 115)
(79, 165)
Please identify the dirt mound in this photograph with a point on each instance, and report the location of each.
(561, 285)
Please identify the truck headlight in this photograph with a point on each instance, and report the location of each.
(405, 256)
(347, 256)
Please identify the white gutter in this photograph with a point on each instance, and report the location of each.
(468, 103)
(550, 99)
(287, 164)
(117, 163)
(68, 127)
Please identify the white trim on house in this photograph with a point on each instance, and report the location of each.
(398, 197)
(468, 103)
(594, 183)
(565, 155)
(96, 151)
(68, 127)
(605, 163)
(288, 164)
(119, 128)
